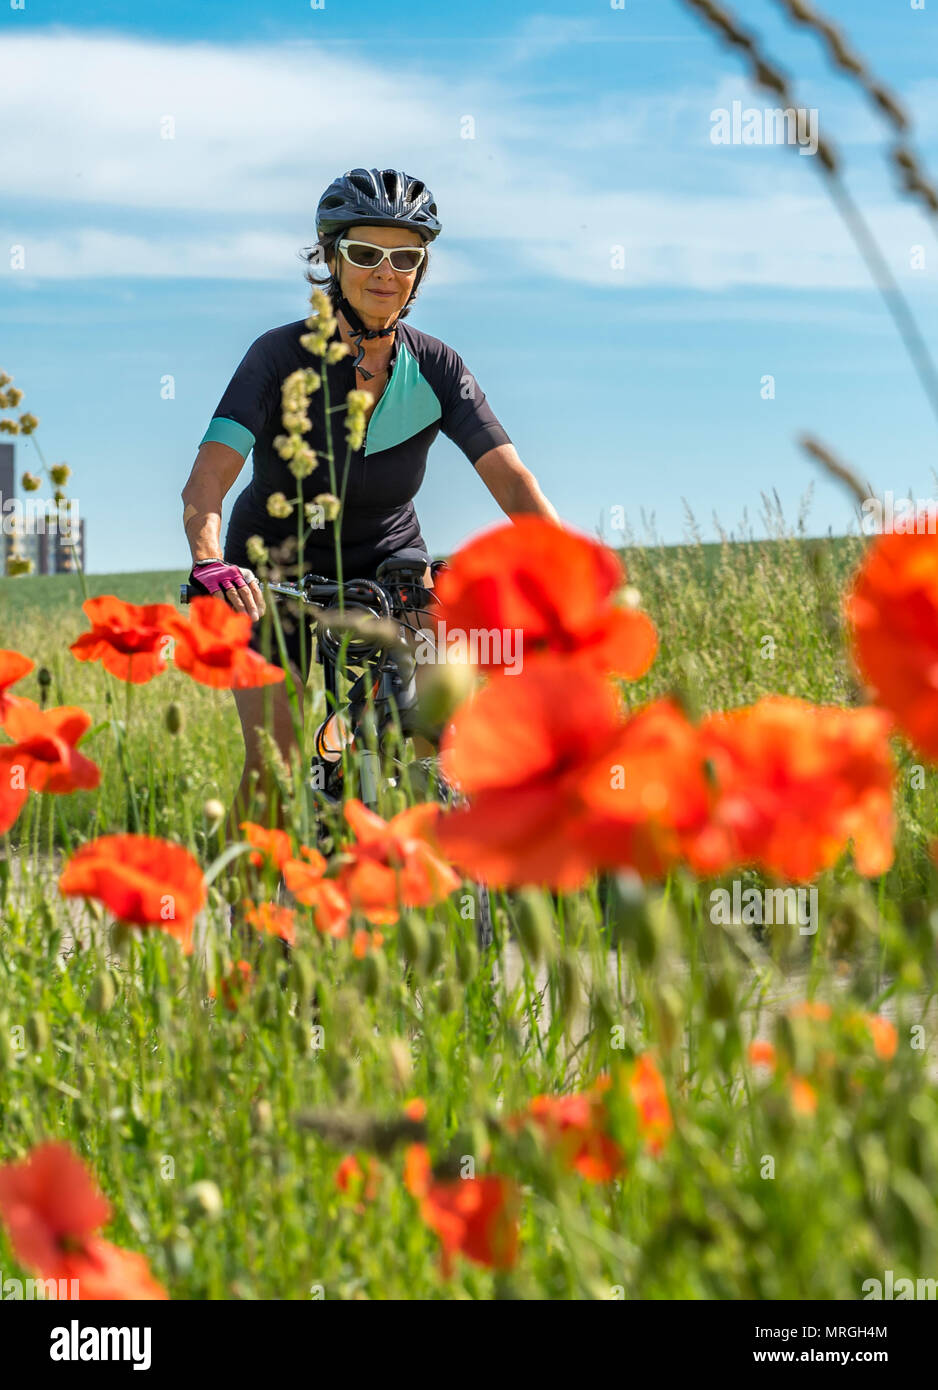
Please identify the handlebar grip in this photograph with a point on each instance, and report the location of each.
(187, 592)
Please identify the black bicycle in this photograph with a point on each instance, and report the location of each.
(359, 746)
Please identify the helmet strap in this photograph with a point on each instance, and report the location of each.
(359, 331)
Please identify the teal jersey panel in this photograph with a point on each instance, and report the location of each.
(222, 431)
(408, 405)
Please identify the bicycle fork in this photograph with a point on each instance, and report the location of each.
(397, 682)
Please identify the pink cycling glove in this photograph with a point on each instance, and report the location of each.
(215, 575)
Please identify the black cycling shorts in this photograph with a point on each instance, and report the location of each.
(295, 627)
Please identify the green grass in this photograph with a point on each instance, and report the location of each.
(163, 1088)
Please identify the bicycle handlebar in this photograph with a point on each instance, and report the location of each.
(313, 588)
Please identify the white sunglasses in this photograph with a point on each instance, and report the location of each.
(367, 256)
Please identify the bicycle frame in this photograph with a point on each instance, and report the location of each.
(387, 678)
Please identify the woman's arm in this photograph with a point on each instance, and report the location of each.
(213, 474)
(513, 486)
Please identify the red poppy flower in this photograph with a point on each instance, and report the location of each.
(129, 639)
(364, 941)
(271, 919)
(43, 756)
(650, 1097)
(418, 1170)
(475, 1217)
(795, 783)
(552, 586)
(884, 1035)
(305, 880)
(212, 647)
(356, 1181)
(104, 1271)
(13, 667)
(803, 1096)
(235, 985)
(814, 1009)
(575, 1126)
(560, 785)
(394, 863)
(762, 1053)
(273, 845)
(143, 880)
(892, 613)
(51, 1207)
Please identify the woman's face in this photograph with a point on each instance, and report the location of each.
(380, 294)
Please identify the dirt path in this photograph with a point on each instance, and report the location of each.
(29, 883)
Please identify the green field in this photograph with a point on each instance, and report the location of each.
(158, 1087)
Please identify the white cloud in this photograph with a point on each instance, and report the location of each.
(257, 255)
(260, 130)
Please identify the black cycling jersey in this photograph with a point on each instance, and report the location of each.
(428, 390)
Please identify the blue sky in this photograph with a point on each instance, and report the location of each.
(627, 379)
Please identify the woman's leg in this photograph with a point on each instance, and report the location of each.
(424, 620)
(264, 707)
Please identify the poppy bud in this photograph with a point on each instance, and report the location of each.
(414, 939)
(262, 1117)
(448, 996)
(268, 1002)
(401, 1062)
(534, 921)
(213, 810)
(568, 988)
(467, 961)
(720, 996)
(373, 971)
(628, 915)
(669, 1012)
(601, 1008)
(436, 942)
(121, 938)
(303, 977)
(102, 993)
(204, 1199)
(37, 1032)
(445, 687)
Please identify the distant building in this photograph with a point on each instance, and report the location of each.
(34, 527)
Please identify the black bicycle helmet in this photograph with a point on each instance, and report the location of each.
(376, 198)
(381, 198)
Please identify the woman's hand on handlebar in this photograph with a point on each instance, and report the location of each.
(248, 599)
(238, 586)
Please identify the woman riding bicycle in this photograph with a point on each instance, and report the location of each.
(374, 227)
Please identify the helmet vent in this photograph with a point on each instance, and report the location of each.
(362, 183)
(389, 197)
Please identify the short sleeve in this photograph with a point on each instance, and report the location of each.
(248, 402)
(467, 418)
